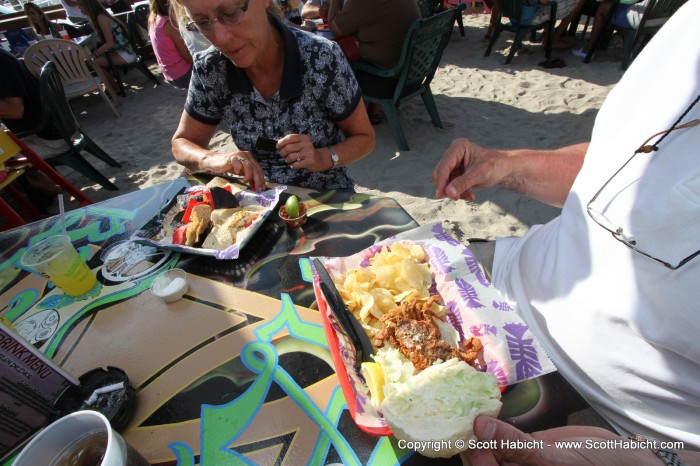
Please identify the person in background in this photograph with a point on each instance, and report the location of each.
(20, 111)
(624, 15)
(292, 10)
(40, 22)
(610, 286)
(311, 9)
(379, 35)
(112, 38)
(535, 12)
(116, 6)
(194, 41)
(264, 79)
(169, 48)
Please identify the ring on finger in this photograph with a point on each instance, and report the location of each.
(298, 157)
(241, 159)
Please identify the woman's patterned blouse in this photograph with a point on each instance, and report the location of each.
(318, 90)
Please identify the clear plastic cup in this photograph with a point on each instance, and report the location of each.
(56, 259)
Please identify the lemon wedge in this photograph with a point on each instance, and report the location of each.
(374, 376)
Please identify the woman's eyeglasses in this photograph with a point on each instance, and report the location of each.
(618, 232)
(227, 18)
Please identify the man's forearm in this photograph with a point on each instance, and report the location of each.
(544, 175)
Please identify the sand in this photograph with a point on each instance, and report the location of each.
(521, 105)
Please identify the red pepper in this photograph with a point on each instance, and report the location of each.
(193, 202)
(180, 235)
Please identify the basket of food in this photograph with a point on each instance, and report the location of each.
(217, 219)
(444, 342)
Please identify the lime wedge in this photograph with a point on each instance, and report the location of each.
(292, 206)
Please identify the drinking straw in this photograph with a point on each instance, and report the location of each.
(62, 210)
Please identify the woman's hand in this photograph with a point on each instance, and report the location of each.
(240, 163)
(299, 152)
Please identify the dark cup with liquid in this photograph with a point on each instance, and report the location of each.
(83, 438)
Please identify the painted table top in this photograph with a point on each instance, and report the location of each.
(238, 370)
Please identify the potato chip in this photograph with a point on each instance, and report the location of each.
(396, 273)
(417, 275)
(383, 299)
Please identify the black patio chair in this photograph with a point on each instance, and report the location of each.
(422, 50)
(141, 48)
(588, 10)
(428, 7)
(509, 20)
(58, 114)
(655, 15)
(141, 13)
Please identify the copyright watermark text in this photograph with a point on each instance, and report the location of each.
(473, 444)
(432, 445)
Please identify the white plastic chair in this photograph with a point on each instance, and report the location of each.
(75, 66)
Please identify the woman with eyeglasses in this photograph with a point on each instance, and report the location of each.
(111, 33)
(288, 98)
(611, 287)
(169, 47)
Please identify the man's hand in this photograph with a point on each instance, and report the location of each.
(464, 166)
(539, 448)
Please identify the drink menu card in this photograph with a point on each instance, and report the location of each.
(29, 385)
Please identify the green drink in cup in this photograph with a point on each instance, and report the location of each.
(56, 259)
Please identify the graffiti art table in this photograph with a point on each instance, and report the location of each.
(238, 370)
